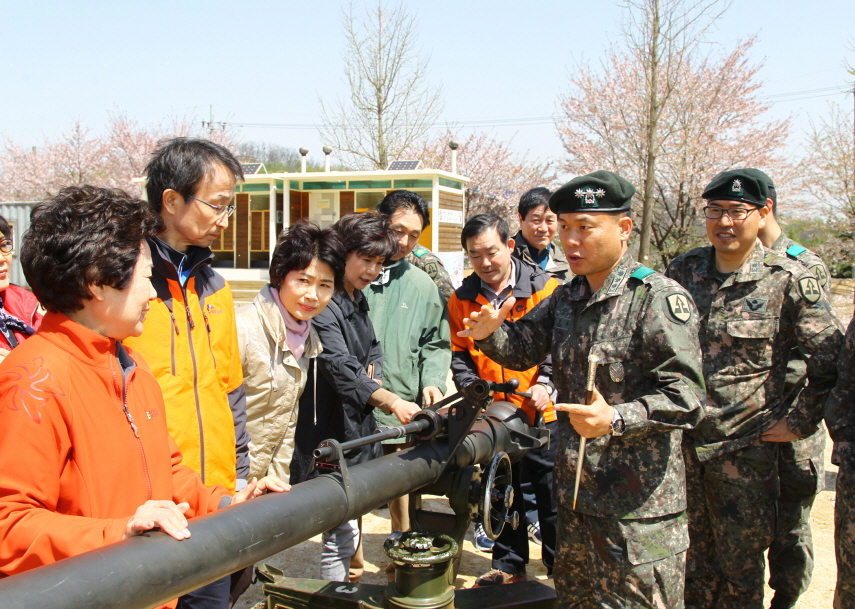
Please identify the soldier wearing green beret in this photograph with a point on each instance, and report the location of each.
(756, 306)
(624, 542)
(801, 467)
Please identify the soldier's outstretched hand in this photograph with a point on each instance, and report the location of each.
(486, 321)
(590, 421)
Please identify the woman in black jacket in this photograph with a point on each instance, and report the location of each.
(344, 380)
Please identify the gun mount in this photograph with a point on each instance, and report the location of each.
(451, 438)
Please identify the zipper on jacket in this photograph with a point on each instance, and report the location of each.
(134, 428)
(191, 325)
(208, 327)
(172, 339)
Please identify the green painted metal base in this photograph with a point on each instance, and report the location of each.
(293, 593)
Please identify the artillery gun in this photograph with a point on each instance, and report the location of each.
(451, 440)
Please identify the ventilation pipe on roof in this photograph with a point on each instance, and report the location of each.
(327, 151)
(303, 153)
(454, 145)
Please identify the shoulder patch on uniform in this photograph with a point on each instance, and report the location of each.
(796, 250)
(818, 271)
(419, 252)
(641, 272)
(809, 289)
(431, 269)
(678, 307)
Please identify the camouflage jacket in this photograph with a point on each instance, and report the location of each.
(813, 445)
(644, 328)
(840, 408)
(430, 263)
(750, 322)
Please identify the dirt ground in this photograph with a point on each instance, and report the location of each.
(303, 560)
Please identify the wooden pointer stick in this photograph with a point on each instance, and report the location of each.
(589, 399)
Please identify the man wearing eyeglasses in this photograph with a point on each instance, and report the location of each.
(190, 338)
(756, 305)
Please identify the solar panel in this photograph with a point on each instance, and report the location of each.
(251, 168)
(404, 165)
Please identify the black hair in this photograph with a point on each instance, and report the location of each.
(367, 233)
(5, 228)
(404, 199)
(84, 236)
(482, 223)
(182, 163)
(773, 194)
(301, 244)
(532, 199)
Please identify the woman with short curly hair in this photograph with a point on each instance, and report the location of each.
(85, 456)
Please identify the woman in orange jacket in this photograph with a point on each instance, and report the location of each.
(85, 458)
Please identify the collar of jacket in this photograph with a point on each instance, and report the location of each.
(79, 341)
(612, 286)
(556, 254)
(350, 305)
(751, 270)
(166, 259)
(526, 277)
(274, 325)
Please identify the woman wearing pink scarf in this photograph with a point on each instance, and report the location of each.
(277, 340)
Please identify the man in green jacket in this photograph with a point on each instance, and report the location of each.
(411, 323)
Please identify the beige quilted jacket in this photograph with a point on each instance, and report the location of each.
(274, 380)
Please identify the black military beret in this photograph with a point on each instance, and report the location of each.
(598, 191)
(744, 185)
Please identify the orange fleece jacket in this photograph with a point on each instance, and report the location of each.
(72, 468)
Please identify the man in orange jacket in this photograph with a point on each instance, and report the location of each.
(85, 456)
(190, 338)
(497, 277)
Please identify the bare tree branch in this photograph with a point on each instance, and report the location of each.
(391, 106)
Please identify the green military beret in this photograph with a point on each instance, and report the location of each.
(744, 185)
(598, 191)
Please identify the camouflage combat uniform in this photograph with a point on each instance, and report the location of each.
(625, 544)
(840, 419)
(801, 469)
(750, 322)
(430, 263)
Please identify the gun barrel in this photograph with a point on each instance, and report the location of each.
(146, 571)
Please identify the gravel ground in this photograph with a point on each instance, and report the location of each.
(302, 560)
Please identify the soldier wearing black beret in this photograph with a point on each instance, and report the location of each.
(756, 306)
(801, 469)
(623, 542)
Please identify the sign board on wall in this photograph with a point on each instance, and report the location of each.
(451, 216)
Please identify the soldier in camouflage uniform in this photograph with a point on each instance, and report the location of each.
(801, 469)
(624, 544)
(755, 307)
(430, 263)
(840, 419)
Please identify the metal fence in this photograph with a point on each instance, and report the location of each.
(17, 214)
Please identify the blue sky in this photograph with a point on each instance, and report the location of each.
(269, 62)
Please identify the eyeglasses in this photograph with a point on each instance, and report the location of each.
(228, 210)
(6, 246)
(735, 213)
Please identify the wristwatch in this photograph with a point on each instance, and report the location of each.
(617, 426)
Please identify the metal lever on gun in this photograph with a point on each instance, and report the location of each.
(509, 387)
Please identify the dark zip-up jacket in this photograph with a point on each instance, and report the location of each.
(334, 403)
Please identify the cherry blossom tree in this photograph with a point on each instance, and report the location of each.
(498, 175)
(711, 123)
(78, 157)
